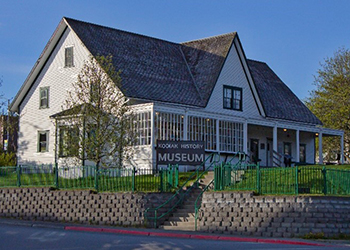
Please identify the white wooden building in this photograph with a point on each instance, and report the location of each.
(199, 90)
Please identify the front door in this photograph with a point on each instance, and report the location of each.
(254, 150)
(269, 152)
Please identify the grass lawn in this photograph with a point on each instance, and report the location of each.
(143, 183)
(308, 180)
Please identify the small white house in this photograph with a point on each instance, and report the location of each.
(202, 90)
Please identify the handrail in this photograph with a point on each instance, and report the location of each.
(195, 204)
(155, 210)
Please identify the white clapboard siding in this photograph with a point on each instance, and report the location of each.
(232, 74)
(59, 79)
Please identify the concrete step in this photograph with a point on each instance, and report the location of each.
(182, 214)
(189, 219)
(178, 223)
(180, 228)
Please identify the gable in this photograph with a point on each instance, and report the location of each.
(233, 74)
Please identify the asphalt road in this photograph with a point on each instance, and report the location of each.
(24, 237)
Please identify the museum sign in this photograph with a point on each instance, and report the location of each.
(180, 152)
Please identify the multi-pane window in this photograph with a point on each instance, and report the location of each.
(44, 97)
(169, 126)
(68, 141)
(231, 136)
(43, 141)
(232, 98)
(68, 59)
(202, 129)
(142, 124)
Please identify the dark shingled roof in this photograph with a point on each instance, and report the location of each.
(154, 69)
(278, 100)
(151, 68)
(205, 58)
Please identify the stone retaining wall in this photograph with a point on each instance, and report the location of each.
(273, 216)
(83, 206)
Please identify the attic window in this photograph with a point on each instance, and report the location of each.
(232, 98)
(44, 98)
(68, 59)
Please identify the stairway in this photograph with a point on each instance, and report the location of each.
(184, 217)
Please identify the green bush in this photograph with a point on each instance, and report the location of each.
(7, 159)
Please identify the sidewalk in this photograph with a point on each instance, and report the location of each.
(167, 233)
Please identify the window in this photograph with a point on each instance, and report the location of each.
(43, 141)
(142, 124)
(232, 98)
(68, 141)
(169, 126)
(202, 129)
(287, 149)
(231, 136)
(68, 59)
(44, 98)
(302, 153)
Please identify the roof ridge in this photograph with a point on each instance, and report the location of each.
(210, 37)
(123, 31)
(189, 70)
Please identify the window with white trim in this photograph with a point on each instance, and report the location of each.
(44, 97)
(142, 125)
(43, 141)
(68, 57)
(202, 129)
(231, 136)
(169, 126)
(232, 98)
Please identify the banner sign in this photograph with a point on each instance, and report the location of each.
(180, 152)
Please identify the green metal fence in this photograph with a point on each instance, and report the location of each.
(86, 177)
(294, 180)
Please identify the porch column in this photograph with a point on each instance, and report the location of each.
(320, 156)
(297, 148)
(218, 135)
(185, 117)
(342, 149)
(153, 141)
(245, 137)
(274, 138)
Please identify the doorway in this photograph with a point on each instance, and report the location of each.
(269, 152)
(254, 150)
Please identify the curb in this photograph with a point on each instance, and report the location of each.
(192, 236)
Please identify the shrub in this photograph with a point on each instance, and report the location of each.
(7, 159)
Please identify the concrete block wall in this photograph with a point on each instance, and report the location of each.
(83, 206)
(273, 216)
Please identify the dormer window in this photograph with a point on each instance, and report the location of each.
(232, 98)
(68, 60)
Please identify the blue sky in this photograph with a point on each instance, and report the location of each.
(292, 36)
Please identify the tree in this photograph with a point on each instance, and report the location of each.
(330, 101)
(96, 122)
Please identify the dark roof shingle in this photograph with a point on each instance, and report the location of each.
(278, 100)
(154, 69)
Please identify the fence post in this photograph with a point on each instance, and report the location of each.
(133, 179)
(176, 175)
(296, 180)
(324, 172)
(258, 178)
(56, 176)
(161, 180)
(96, 178)
(19, 170)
